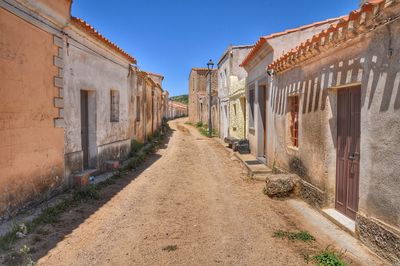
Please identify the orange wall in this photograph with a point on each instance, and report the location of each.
(31, 149)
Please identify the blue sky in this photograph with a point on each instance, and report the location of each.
(171, 36)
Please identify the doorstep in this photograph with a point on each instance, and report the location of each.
(340, 220)
(255, 169)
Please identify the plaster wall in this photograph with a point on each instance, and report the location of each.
(91, 67)
(31, 148)
(373, 62)
(257, 77)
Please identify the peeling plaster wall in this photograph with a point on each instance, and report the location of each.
(91, 67)
(31, 147)
(257, 76)
(374, 62)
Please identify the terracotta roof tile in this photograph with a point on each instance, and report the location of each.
(263, 39)
(331, 36)
(90, 30)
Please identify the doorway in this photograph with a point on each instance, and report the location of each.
(88, 129)
(262, 105)
(348, 151)
(85, 128)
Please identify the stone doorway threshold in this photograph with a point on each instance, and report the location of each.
(320, 226)
(340, 220)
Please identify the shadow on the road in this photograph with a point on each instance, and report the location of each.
(47, 237)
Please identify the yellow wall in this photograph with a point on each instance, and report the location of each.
(237, 103)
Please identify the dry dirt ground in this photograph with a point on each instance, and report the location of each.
(190, 196)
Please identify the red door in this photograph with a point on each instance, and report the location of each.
(348, 151)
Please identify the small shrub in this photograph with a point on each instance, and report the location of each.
(296, 166)
(328, 258)
(135, 147)
(86, 193)
(199, 124)
(9, 238)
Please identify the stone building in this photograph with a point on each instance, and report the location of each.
(259, 115)
(176, 109)
(31, 109)
(231, 91)
(198, 96)
(335, 104)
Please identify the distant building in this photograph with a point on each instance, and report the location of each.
(231, 92)
(198, 96)
(176, 109)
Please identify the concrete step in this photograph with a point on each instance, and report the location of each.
(344, 222)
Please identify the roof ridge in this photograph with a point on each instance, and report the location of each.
(262, 40)
(346, 26)
(89, 28)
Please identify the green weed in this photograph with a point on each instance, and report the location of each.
(301, 235)
(170, 248)
(328, 258)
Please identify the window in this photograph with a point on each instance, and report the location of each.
(294, 120)
(137, 108)
(114, 106)
(251, 103)
(234, 109)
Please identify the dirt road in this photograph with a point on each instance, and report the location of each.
(191, 206)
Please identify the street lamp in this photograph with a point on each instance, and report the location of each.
(210, 66)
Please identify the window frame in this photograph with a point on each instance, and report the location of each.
(114, 106)
(293, 120)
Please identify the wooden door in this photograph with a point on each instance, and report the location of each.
(348, 151)
(263, 110)
(85, 128)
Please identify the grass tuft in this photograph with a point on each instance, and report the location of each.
(301, 235)
(170, 248)
(87, 193)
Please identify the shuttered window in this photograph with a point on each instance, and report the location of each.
(294, 120)
(251, 103)
(114, 96)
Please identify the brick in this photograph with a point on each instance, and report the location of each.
(59, 102)
(58, 62)
(58, 41)
(61, 92)
(59, 122)
(60, 72)
(58, 82)
(81, 180)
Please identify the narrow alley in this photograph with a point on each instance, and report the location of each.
(194, 206)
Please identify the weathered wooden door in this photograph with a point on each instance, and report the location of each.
(348, 151)
(85, 128)
(263, 109)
